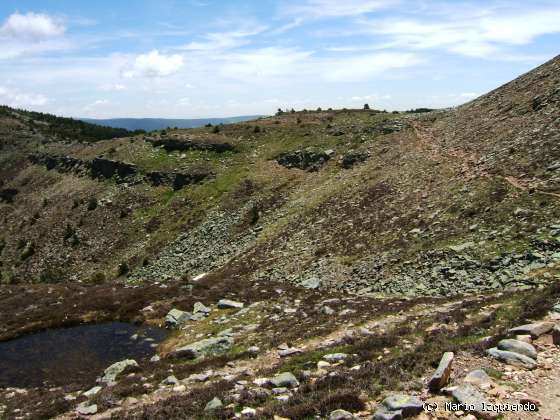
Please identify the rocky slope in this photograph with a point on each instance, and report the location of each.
(363, 245)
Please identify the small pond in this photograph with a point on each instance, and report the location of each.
(74, 355)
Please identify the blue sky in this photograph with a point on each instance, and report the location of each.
(207, 58)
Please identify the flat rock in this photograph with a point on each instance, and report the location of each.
(285, 379)
(229, 304)
(335, 357)
(383, 414)
(341, 415)
(206, 347)
(85, 410)
(511, 358)
(116, 369)
(472, 401)
(534, 330)
(479, 378)
(214, 404)
(176, 317)
(311, 283)
(408, 405)
(92, 391)
(200, 307)
(441, 376)
(517, 346)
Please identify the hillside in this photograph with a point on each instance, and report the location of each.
(388, 237)
(152, 124)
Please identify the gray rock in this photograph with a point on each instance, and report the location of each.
(335, 357)
(408, 405)
(92, 391)
(468, 396)
(534, 330)
(214, 404)
(116, 369)
(176, 317)
(517, 346)
(170, 380)
(441, 376)
(85, 410)
(511, 358)
(461, 247)
(311, 283)
(206, 347)
(285, 379)
(383, 414)
(478, 378)
(229, 304)
(341, 415)
(199, 307)
(289, 351)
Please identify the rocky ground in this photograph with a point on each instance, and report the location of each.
(327, 264)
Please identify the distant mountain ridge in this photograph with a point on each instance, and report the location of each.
(150, 124)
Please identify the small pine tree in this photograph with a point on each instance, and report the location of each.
(366, 106)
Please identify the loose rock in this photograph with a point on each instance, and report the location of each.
(408, 405)
(229, 304)
(442, 373)
(511, 358)
(517, 346)
(116, 369)
(534, 330)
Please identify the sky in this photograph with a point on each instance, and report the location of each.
(209, 58)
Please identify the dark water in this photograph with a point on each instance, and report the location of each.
(75, 355)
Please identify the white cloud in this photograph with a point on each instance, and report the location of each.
(223, 40)
(184, 101)
(153, 64)
(31, 27)
(113, 87)
(484, 33)
(366, 67)
(16, 98)
(337, 8)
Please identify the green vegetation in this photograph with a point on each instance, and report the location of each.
(67, 128)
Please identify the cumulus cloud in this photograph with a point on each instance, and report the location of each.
(31, 27)
(16, 98)
(153, 64)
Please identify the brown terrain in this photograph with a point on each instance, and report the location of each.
(357, 246)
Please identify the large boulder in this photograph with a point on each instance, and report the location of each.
(406, 404)
(176, 317)
(351, 158)
(517, 346)
(511, 358)
(285, 379)
(472, 401)
(479, 378)
(441, 376)
(309, 160)
(341, 415)
(107, 168)
(534, 330)
(207, 347)
(118, 368)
